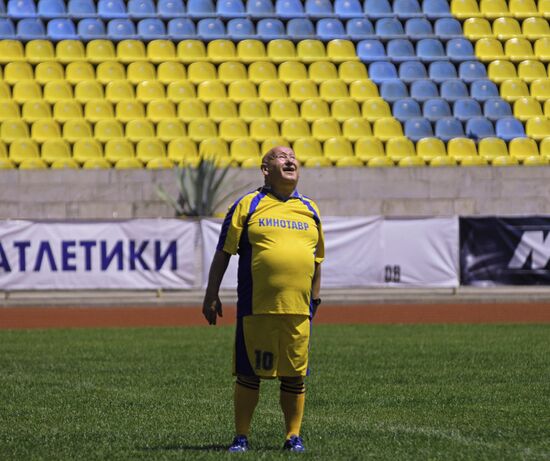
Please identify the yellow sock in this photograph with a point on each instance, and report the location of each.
(292, 402)
(247, 392)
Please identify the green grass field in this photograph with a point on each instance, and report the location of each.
(440, 392)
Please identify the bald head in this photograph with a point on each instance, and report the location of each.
(281, 170)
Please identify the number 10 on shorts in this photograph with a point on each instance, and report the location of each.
(264, 360)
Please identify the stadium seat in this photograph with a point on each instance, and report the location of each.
(264, 128)
(398, 148)
(17, 71)
(418, 128)
(47, 71)
(429, 147)
(448, 28)
(311, 51)
(7, 29)
(535, 28)
(509, 128)
(176, 8)
(18, 9)
(111, 9)
(489, 49)
(85, 149)
(97, 110)
(291, 71)
(386, 128)
(81, 8)
(181, 29)
(393, 90)
(460, 148)
(233, 128)
(380, 71)
(540, 89)
(330, 28)
(11, 51)
(401, 49)
(68, 51)
(260, 8)
(434, 9)
(496, 108)
(490, 148)
(442, 161)
(460, 49)
(50, 9)
(453, 90)
(151, 29)
(170, 128)
(33, 110)
(470, 71)
(377, 8)
(506, 27)
(332, 90)
(479, 127)
(127, 110)
(407, 108)
(350, 71)
(407, 8)
(230, 8)
(530, 70)
(464, 109)
(493, 8)
(501, 70)
(418, 28)
(91, 29)
(211, 28)
(252, 109)
(117, 149)
(305, 148)
(115, 91)
(321, 71)
(430, 49)
(55, 149)
(448, 128)
(442, 71)
(358, 28)
(375, 108)
(213, 147)
(362, 90)
(522, 148)
(281, 51)
(526, 108)
(191, 51)
(76, 129)
(272, 28)
(100, 51)
(57, 90)
(161, 109)
(139, 71)
(318, 8)
(523, 8)
(409, 71)
(518, 49)
(30, 29)
(371, 50)
(141, 9)
(282, 109)
(293, 129)
(344, 109)
(39, 50)
(388, 28)
(191, 109)
(251, 51)
(482, 90)
(241, 28)
(301, 28)
(198, 72)
(337, 148)
(129, 51)
(300, 90)
(537, 128)
(25, 90)
(222, 109)
(210, 90)
(150, 149)
(181, 148)
(44, 129)
(355, 128)
(221, 50)
(289, 9)
(411, 161)
(11, 129)
(61, 29)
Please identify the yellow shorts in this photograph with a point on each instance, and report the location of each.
(272, 345)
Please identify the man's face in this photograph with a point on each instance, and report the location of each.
(282, 167)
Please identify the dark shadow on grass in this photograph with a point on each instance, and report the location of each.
(176, 447)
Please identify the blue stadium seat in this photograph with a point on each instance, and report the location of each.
(407, 8)
(380, 71)
(371, 50)
(230, 8)
(448, 28)
(318, 8)
(151, 29)
(181, 28)
(300, 27)
(260, 8)
(7, 29)
(434, 9)
(62, 29)
(171, 8)
(120, 29)
(460, 49)
(404, 109)
(2, 8)
(430, 49)
(330, 28)
(31, 29)
(240, 28)
(288, 9)
(200, 8)
(348, 8)
(81, 8)
(359, 28)
(400, 49)
(464, 109)
(496, 108)
(51, 9)
(509, 128)
(470, 71)
(21, 9)
(387, 28)
(91, 28)
(271, 27)
(434, 109)
(111, 9)
(479, 128)
(211, 28)
(409, 71)
(418, 128)
(378, 9)
(440, 71)
(449, 128)
(392, 90)
(453, 90)
(482, 90)
(422, 90)
(418, 28)
(141, 9)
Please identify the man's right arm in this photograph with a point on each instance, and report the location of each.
(212, 306)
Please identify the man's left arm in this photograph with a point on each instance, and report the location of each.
(316, 286)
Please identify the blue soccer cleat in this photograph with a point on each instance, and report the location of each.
(295, 443)
(240, 443)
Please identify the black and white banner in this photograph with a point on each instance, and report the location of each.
(505, 251)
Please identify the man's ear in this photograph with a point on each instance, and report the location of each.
(264, 168)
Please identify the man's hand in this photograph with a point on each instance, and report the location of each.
(211, 308)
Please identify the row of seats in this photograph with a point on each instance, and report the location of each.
(506, 27)
(497, 8)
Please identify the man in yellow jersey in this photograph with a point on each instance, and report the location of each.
(277, 233)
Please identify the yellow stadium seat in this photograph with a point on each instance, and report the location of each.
(222, 109)
(542, 48)
(107, 129)
(13, 129)
(213, 147)
(191, 109)
(128, 164)
(321, 71)
(150, 90)
(240, 90)
(198, 72)
(190, 51)
(283, 109)
(210, 90)
(386, 128)
(375, 108)
(140, 70)
(317, 162)
(477, 28)
(232, 128)
(294, 129)
(67, 51)
(523, 8)
(505, 160)
(544, 8)
(100, 50)
(9, 109)
(325, 128)
(538, 127)
(119, 90)
(252, 109)
(526, 108)
(66, 110)
(33, 164)
(170, 128)
(130, 50)
(250, 50)
(181, 148)
(489, 49)
(356, 128)
(518, 49)
(57, 91)
(139, 129)
(369, 147)
(11, 51)
(96, 163)
(490, 148)
(411, 161)
(220, 162)
(311, 51)
(398, 148)
(55, 149)
(115, 149)
(512, 90)
(39, 50)
(338, 147)
(442, 161)
(501, 70)
(465, 9)
(344, 109)
(473, 160)
(380, 162)
(161, 109)
(300, 90)
(270, 143)
(77, 71)
(315, 108)
(244, 148)
(263, 129)
(44, 129)
(169, 71)
(16, 71)
(493, 8)
(333, 90)
(260, 71)
(458, 148)
(362, 90)
(429, 148)
(159, 51)
(349, 71)
(201, 129)
(521, 148)
(232, 71)
(3, 150)
(47, 71)
(5, 91)
(506, 27)
(531, 69)
(148, 149)
(110, 70)
(129, 110)
(290, 71)
(547, 108)
(76, 129)
(221, 50)
(180, 90)
(348, 161)
(21, 149)
(272, 90)
(305, 148)
(6, 164)
(26, 90)
(339, 50)
(252, 162)
(535, 160)
(535, 28)
(544, 147)
(35, 110)
(281, 50)
(158, 163)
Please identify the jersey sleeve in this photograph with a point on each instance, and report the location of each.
(232, 227)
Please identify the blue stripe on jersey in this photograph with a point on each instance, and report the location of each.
(227, 223)
(307, 203)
